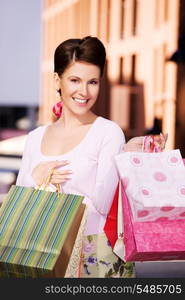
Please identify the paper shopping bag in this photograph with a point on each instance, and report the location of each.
(37, 232)
(154, 184)
(110, 227)
(113, 227)
(119, 245)
(145, 240)
(158, 240)
(155, 240)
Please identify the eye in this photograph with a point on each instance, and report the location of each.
(74, 80)
(94, 82)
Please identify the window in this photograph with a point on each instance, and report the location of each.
(121, 77)
(133, 70)
(122, 12)
(134, 17)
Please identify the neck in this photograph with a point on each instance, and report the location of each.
(69, 120)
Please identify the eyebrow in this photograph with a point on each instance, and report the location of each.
(80, 78)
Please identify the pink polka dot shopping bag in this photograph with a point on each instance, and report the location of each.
(153, 203)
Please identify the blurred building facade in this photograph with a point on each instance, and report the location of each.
(140, 81)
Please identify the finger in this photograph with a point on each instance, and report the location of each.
(140, 140)
(55, 164)
(137, 139)
(60, 175)
(166, 137)
(60, 180)
(63, 172)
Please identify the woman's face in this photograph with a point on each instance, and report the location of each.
(79, 86)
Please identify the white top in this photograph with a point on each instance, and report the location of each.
(92, 163)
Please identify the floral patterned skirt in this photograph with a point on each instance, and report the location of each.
(99, 261)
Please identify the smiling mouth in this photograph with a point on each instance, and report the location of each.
(81, 101)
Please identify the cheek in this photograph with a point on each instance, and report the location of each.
(67, 90)
(94, 91)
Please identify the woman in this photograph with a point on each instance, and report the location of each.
(79, 147)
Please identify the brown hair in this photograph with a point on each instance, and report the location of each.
(89, 49)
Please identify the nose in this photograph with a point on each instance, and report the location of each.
(83, 90)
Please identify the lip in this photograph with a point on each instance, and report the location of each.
(80, 104)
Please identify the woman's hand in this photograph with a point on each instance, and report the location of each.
(138, 143)
(43, 170)
(134, 144)
(160, 141)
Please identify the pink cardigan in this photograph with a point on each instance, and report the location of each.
(92, 163)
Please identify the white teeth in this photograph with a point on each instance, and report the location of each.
(80, 100)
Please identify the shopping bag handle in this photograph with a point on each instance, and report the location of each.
(119, 247)
(45, 184)
(120, 214)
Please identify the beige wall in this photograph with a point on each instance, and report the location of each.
(151, 37)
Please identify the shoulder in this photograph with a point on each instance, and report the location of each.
(110, 129)
(37, 132)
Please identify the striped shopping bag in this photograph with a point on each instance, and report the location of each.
(38, 229)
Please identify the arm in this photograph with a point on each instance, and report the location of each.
(29, 176)
(24, 177)
(107, 177)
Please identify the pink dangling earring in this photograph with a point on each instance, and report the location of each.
(57, 108)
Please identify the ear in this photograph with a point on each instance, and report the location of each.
(56, 81)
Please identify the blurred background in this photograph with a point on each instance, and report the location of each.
(143, 88)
